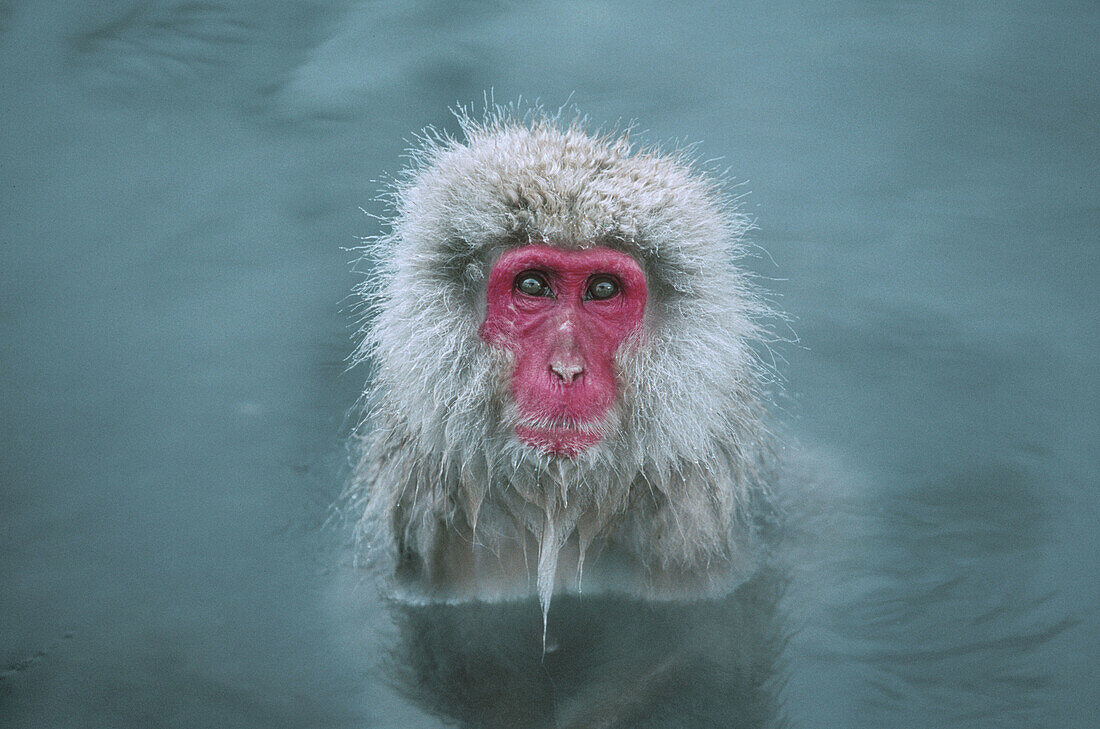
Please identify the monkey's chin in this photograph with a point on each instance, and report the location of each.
(557, 440)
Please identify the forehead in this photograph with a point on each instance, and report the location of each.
(588, 260)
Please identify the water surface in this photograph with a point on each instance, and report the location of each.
(180, 182)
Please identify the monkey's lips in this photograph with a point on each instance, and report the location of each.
(558, 440)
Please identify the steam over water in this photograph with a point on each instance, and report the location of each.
(177, 184)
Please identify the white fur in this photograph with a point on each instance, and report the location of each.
(672, 483)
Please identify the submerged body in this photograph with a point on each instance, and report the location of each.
(563, 364)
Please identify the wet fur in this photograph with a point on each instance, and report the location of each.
(673, 481)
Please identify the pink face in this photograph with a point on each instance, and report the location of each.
(563, 315)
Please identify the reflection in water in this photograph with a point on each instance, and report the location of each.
(935, 615)
(966, 619)
(610, 661)
(157, 43)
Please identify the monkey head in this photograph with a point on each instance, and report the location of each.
(561, 351)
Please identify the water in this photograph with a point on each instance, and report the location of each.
(179, 181)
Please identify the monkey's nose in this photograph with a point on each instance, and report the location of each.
(566, 371)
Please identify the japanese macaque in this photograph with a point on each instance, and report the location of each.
(563, 364)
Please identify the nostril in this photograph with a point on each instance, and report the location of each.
(567, 372)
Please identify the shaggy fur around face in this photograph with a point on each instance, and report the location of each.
(440, 471)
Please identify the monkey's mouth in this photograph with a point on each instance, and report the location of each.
(558, 440)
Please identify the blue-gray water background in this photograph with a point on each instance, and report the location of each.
(177, 184)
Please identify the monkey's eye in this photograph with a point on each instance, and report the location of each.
(602, 287)
(532, 284)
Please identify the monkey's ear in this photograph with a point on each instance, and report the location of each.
(473, 275)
